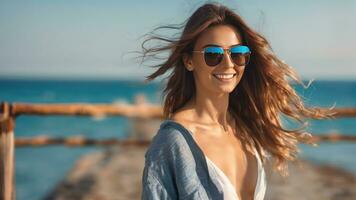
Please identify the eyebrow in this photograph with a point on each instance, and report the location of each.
(215, 45)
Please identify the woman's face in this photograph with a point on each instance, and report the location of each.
(206, 77)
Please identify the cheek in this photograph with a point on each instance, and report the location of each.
(203, 74)
(240, 71)
(201, 70)
(198, 61)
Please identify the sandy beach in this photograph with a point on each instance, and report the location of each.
(115, 174)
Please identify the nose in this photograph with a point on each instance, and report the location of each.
(227, 62)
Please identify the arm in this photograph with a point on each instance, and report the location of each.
(170, 168)
(152, 188)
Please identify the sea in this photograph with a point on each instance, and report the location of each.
(40, 169)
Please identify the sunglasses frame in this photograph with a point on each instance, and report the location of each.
(225, 50)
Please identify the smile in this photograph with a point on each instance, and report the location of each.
(224, 77)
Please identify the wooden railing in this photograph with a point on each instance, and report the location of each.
(9, 112)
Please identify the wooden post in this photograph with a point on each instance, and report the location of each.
(7, 154)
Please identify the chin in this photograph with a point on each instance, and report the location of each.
(225, 89)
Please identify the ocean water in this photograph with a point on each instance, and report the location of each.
(39, 169)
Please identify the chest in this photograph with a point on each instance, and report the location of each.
(233, 158)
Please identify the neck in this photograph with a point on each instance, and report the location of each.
(213, 108)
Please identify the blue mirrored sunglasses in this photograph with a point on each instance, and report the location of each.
(213, 55)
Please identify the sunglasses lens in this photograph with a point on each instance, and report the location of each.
(240, 55)
(213, 55)
(240, 59)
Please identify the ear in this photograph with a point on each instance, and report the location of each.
(188, 63)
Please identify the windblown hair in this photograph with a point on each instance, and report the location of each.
(261, 98)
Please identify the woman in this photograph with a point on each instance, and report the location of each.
(222, 104)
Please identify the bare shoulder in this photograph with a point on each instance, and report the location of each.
(184, 116)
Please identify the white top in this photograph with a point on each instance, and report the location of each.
(228, 188)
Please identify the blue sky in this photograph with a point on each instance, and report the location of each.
(92, 39)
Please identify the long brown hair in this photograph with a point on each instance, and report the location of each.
(257, 103)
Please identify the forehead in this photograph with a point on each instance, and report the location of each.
(222, 35)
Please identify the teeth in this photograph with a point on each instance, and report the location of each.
(224, 76)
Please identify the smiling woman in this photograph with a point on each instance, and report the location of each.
(222, 109)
